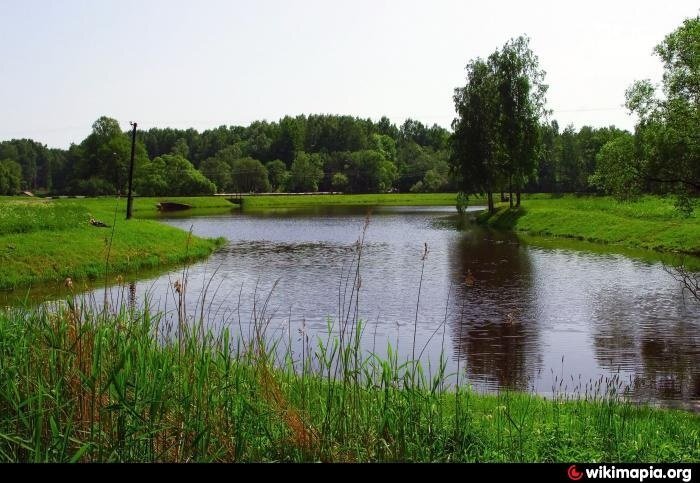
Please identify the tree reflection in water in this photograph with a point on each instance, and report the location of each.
(492, 318)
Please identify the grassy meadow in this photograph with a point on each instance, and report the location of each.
(51, 240)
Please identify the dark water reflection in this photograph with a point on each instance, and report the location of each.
(494, 325)
(508, 314)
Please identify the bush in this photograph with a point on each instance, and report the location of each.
(339, 182)
(417, 188)
(94, 186)
(462, 202)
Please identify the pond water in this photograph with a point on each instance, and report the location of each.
(505, 314)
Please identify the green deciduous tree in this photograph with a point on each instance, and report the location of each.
(616, 169)
(248, 175)
(171, 175)
(521, 104)
(667, 140)
(339, 182)
(548, 160)
(306, 172)
(434, 181)
(368, 171)
(474, 139)
(384, 145)
(218, 171)
(289, 139)
(151, 178)
(277, 174)
(10, 177)
(569, 172)
(496, 136)
(105, 154)
(181, 148)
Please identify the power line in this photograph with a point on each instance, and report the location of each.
(48, 130)
(218, 123)
(591, 109)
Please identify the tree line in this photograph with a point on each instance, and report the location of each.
(502, 140)
(297, 154)
(301, 154)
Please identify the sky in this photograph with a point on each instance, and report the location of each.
(205, 63)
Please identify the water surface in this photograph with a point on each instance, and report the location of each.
(506, 314)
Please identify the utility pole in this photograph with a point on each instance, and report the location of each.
(129, 198)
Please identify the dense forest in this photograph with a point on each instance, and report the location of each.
(303, 153)
(502, 140)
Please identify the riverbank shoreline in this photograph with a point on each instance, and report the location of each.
(38, 245)
(82, 385)
(256, 202)
(651, 223)
(66, 241)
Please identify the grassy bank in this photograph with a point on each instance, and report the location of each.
(51, 240)
(79, 385)
(386, 199)
(651, 223)
(147, 205)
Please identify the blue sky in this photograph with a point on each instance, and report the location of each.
(206, 63)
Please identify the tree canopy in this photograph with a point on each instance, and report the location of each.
(172, 175)
(666, 154)
(10, 177)
(497, 132)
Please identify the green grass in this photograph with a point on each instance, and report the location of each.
(670, 259)
(51, 240)
(650, 223)
(26, 216)
(84, 385)
(389, 199)
(148, 204)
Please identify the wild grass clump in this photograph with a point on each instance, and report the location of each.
(80, 382)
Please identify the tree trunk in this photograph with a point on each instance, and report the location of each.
(510, 191)
(491, 207)
(517, 198)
